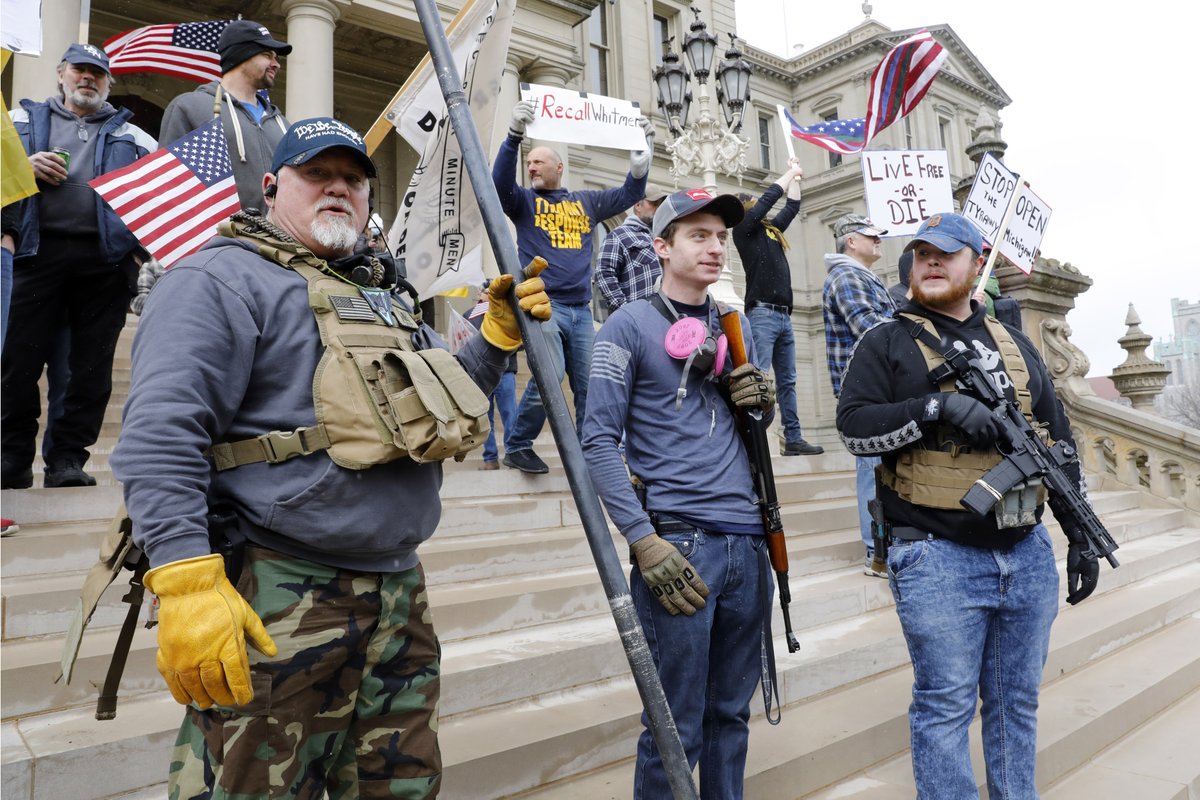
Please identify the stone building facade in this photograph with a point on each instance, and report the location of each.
(350, 56)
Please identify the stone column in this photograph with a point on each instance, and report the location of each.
(1046, 295)
(310, 65)
(36, 78)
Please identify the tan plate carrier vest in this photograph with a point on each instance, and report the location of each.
(377, 397)
(939, 478)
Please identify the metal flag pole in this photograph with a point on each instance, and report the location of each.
(612, 576)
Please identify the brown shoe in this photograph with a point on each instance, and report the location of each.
(490, 465)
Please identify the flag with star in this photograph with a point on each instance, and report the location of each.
(186, 50)
(173, 199)
(898, 84)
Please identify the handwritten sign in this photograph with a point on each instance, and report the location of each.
(906, 187)
(564, 115)
(1025, 231)
(990, 195)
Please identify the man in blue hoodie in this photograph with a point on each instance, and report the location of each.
(74, 261)
(557, 223)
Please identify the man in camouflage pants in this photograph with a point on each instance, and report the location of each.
(232, 430)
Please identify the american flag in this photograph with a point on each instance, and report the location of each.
(173, 199)
(835, 135)
(897, 85)
(186, 50)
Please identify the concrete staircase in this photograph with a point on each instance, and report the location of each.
(537, 698)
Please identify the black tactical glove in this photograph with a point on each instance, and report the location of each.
(1083, 570)
(967, 414)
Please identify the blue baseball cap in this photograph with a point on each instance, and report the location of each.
(948, 233)
(87, 54)
(689, 201)
(308, 137)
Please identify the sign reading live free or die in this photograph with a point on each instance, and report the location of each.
(906, 187)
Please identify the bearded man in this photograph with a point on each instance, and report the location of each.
(272, 442)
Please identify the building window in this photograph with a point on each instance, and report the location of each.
(835, 159)
(764, 141)
(662, 32)
(908, 133)
(944, 133)
(597, 69)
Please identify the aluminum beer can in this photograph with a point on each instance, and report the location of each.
(64, 154)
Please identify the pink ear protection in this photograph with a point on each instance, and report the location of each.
(688, 339)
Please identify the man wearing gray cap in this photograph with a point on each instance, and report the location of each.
(700, 582)
(253, 124)
(280, 495)
(74, 260)
(627, 267)
(853, 301)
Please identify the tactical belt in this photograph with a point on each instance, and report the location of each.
(273, 447)
(665, 523)
(909, 534)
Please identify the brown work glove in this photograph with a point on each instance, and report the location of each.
(670, 577)
(500, 324)
(749, 388)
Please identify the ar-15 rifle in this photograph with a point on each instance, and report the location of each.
(1027, 456)
(754, 435)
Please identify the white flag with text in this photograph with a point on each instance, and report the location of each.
(439, 230)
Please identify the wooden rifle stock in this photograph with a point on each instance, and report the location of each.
(754, 436)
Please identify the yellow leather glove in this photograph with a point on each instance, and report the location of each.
(202, 628)
(670, 577)
(500, 324)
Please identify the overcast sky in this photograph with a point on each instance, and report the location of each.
(1100, 125)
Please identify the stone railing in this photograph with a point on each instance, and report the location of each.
(1131, 447)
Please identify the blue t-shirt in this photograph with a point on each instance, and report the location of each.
(558, 224)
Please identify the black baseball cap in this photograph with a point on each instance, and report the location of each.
(243, 39)
(689, 201)
(308, 137)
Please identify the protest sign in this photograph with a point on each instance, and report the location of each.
(564, 115)
(990, 195)
(1025, 230)
(906, 187)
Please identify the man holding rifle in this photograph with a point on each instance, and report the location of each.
(976, 593)
(701, 582)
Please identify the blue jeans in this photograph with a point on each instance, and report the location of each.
(570, 333)
(775, 348)
(977, 624)
(6, 280)
(504, 397)
(864, 467)
(709, 663)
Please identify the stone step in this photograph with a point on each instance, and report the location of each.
(506, 668)
(1156, 762)
(866, 724)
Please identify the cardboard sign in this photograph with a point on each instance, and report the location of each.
(1025, 231)
(564, 115)
(906, 187)
(990, 195)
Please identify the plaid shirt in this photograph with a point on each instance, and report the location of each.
(628, 267)
(853, 301)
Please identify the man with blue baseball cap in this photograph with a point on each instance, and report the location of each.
(75, 267)
(273, 391)
(976, 594)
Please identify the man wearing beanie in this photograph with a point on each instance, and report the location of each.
(253, 124)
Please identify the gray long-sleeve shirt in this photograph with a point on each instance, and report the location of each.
(226, 350)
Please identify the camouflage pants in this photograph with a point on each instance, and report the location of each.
(348, 706)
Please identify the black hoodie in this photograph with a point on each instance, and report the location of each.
(882, 404)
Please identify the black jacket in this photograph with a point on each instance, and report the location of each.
(882, 404)
(768, 276)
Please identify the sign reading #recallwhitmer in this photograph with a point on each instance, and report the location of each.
(564, 115)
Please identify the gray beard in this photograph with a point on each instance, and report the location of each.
(334, 233)
(90, 105)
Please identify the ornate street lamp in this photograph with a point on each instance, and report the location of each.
(709, 144)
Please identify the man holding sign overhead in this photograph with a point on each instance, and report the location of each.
(557, 223)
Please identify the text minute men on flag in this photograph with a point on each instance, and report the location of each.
(588, 112)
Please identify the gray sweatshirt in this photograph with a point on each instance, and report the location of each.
(226, 350)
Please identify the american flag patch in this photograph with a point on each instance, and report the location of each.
(352, 308)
